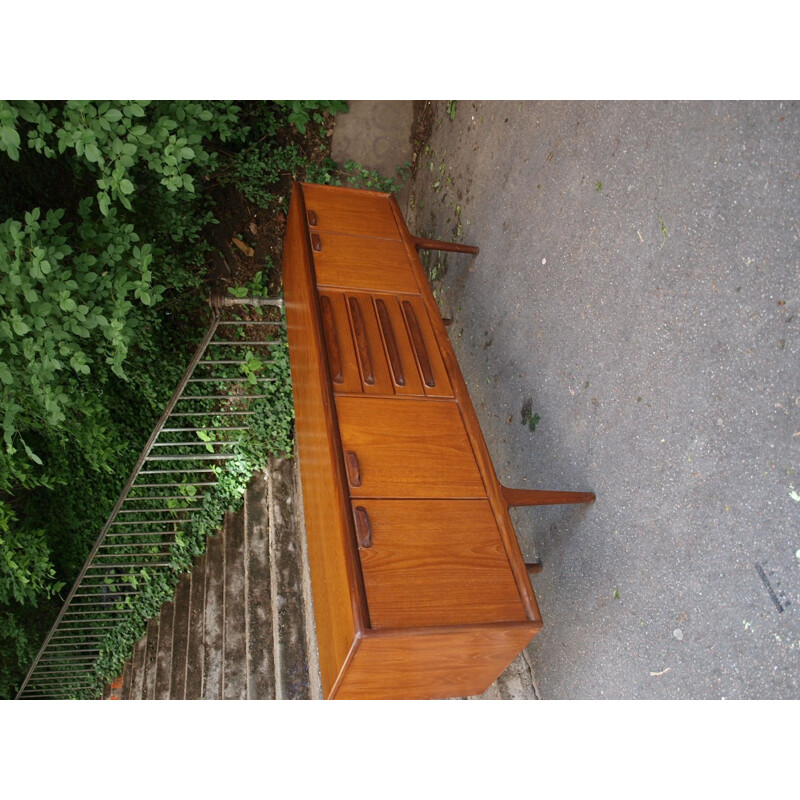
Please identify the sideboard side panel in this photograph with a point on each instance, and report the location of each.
(421, 665)
(331, 550)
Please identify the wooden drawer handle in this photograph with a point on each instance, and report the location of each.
(363, 531)
(353, 471)
(391, 344)
(418, 344)
(332, 343)
(316, 243)
(361, 341)
(312, 217)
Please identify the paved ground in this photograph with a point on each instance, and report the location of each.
(637, 288)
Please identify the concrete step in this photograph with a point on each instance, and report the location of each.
(260, 641)
(290, 613)
(195, 647)
(240, 625)
(164, 652)
(180, 638)
(214, 618)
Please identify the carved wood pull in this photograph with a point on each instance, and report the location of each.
(329, 327)
(391, 344)
(361, 341)
(418, 344)
(316, 242)
(363, 531)
(312, 217)
(353, 471)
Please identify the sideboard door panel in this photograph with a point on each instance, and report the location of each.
(358, 262)
(407, 447)
(434, 563)
(349, 211)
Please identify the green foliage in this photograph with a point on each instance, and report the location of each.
(301, 112)
(101, 227)
(103, 218)
(269, 434)
(362, 178)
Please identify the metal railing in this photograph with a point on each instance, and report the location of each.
(163, 494)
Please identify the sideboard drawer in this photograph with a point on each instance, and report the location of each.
(435, 562)
(406, 448)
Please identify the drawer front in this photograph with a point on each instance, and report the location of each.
(406, 448)
(370, 356)
(425, 348)
(434, 562)
(381, 344)
(358, 262)
(357, 213)
(339, 344)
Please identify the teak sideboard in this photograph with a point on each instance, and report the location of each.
(419, 585)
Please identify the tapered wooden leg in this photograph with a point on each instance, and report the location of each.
(537, 497)
(533, 568)
(437, 244)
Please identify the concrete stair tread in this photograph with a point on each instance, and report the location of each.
(237, 626)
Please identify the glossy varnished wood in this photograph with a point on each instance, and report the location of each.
(436, 562)
(337, 586)
(432, 663)
(431, 365)
(408, 447)
(359, 262)
(472, 426)
(372, 362)
(351, 212)
(399, 350)
(339, 342)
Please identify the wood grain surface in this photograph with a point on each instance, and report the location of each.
(408, 447)
(436, 562)
(431, 664)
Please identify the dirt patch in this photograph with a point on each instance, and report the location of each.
(259, 231)
(421, 131)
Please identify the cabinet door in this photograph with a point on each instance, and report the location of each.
(353, 211)
(404, 447)
(359, 262)
(434, 562)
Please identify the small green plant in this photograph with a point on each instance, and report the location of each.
(528, 417)
(360, 177)
(451, 108)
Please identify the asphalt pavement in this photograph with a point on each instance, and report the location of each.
(637, 292)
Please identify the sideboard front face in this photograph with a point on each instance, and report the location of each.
(414, 562)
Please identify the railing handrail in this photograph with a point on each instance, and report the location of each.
(217, 301)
